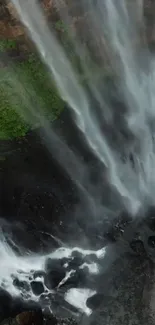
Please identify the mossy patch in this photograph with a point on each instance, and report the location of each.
(26, 94)
(7, 45)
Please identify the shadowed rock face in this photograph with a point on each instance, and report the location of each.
(11, 27)
(126, 294)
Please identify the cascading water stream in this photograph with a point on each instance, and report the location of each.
(134, 185)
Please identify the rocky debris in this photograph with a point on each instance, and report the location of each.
(5, 304)
(95, 301)
(124, 293)
(30, 317)
(15, 311)
(138, 247)
(91, 258)
(21, 285)
(77, 260)
(13, 306)
(54, 273)
(39, 274)
(151, 241)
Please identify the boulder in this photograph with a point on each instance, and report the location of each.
(21, 285)
(5, 304)
(95, 301)
(25, 318)
(54, 273)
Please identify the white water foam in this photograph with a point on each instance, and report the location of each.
(22, 268)
(78, 298)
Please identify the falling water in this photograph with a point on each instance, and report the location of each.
(135, 186)
(115, 28)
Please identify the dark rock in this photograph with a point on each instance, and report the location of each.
(53, 264)
(75, 262)
(39, 274)
(151, 224)
(65, 260)
(5, 304)
(77, 254)
(94, 301)
(91, 258)
(29, 318)
(151, 241)
(62, 308)
(78, 278)
(50, 320)
(9, 321)
(138, 247)
(21, 285)
(55, 272)
(53, 278)
(37, 287)
(25, 318)
(45, 299)
(19, 306)
(150, 218)
(67, 321)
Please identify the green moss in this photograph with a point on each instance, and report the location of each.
(26, 95)
(7, 45)
(60, 26)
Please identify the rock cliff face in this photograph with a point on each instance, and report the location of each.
(12, 28)
(10, 25)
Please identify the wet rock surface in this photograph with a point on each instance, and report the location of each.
(34, 187)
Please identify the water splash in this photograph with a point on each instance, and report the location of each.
(17, 273)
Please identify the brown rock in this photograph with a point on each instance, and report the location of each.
(29, 318)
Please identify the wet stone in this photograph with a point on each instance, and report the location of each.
(21, 285)
(53, 278)
(95, 301)
(138, 247)
(39, 274)
(151, 241)
(77, 279)
(51, 320)
(37, 287)
(5, 304)
(55, 272)
(45, 299)
(75, 262)
(91, 258)
(29, 318)
(19, 306)
(65, 260)
(53, 264)
(77, 254)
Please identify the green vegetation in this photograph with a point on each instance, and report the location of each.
(7, 45)
(27, 94)
(60, 26)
